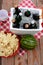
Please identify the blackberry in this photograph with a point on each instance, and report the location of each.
(18, 19)
(16, 25)
(33, 26)
(36, 17)
(27, 13)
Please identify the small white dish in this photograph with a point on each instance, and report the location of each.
(3, 15)
(26, 31)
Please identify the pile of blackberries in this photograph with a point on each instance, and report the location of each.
(18, 18)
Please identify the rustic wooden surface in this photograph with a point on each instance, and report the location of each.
(34, 57)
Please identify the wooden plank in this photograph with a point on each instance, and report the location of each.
(7, 61)
(41, 48)
(1, 4)
(7, 4)
(40, 3)
(30, 58)
(21, 60)
(16, 2)
(34, 56)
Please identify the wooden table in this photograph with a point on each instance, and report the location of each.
(34, 57)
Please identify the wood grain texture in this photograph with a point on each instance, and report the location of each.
(7, 4)
(41, 49)
(1, 1)
(21, 60)
(34, 56)
(40, 3)
(7, 61)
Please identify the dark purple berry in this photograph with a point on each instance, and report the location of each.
(18, 18)
(27, 13)
(16, 25)
(36, 17)
(33, 26)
